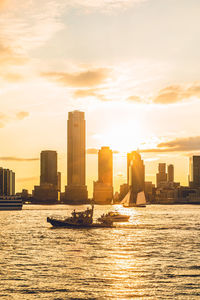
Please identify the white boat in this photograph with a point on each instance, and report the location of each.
(114, 216)
(10, 203)
(140, 200)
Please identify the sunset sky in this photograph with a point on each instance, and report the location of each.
(133, 67)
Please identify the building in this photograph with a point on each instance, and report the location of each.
(103, 188)
(48, 167)
(170, 173)
(161, 176)
(135, 172)
(76, 190)
(194, 169)
(7, 182)
(47, 192)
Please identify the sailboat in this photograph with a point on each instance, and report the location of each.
(129, 201)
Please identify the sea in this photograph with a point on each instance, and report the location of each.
(156, 255)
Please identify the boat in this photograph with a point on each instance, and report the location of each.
(114, 216)
(82, 219)
(131, 200)
(10, 203)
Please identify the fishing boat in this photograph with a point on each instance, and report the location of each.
(114, 216)
(10, 203)
(137, 200)
(82, 219)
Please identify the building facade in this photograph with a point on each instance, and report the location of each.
(194, 169)
(135, 172)
(161, 176)
(103, 188)
(7, 182)
(76, 190)
(48, 167)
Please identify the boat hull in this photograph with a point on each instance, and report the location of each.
(135, 205)
(10, 203)
(64, 224)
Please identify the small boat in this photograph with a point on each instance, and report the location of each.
(130, 201)
(80, 220)
(114, 216)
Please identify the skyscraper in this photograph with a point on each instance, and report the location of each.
(105, 166)
(170, 173)
(161, 176)
(194, 168)
(76, 190)
(135, 172)
(103, 188)
(1, 181)
(48, 167)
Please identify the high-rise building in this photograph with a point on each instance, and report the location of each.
(48, 167)
(103, 188)
(161, 176)
(135, 172)
(47, 191)
(13, 183)
(76, 190)
(194, 168)
(170, 173)
(7, 182)
(105, 166)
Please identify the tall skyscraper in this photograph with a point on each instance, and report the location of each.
(7, 182)
(47, 191)
(135, 172)
(76, 190)
(105, 166)
(170, 173)
(161, 176)
(103, 188)
(194, 168)
(48, 167)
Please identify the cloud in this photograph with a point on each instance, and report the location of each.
(104, 5)
(177, 93)
(92, 151)
(177, 145)
(22, 114)
(86, 78)
(134, 99)
(13, 158)
(84, 93)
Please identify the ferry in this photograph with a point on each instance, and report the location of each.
(10, 203)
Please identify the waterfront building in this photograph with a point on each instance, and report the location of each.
(76, 190)
(161, 176)
(135, 172)
(48, 167)
(170, 173)
(194, 169)
(103, 188)
(45, 193)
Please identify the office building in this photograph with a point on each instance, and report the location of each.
(47, 192)
(76, 190)
(161, 176)
(170, 173)
(135, 172)
(103, 188)
(194, 169)
(1, 181)
(59, 181)
(48, 167)
(7, 182)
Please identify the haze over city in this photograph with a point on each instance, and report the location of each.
(131, 66)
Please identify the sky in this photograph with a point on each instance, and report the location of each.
(133, 67)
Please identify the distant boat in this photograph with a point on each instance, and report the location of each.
(10, 203)
(131, 201)
(114, 216)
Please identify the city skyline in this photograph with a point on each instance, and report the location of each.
(103, 58)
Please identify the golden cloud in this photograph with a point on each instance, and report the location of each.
(177, 93)
(22, 114)
(87, 78)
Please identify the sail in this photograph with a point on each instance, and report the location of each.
(141, 200)
(126, 200)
